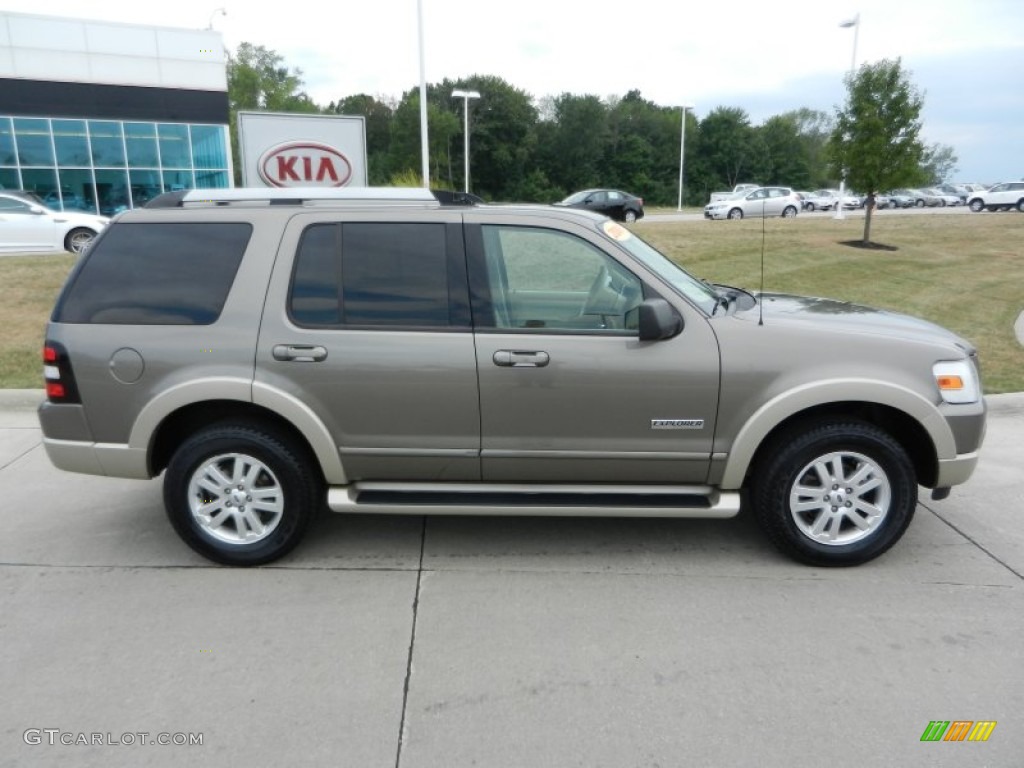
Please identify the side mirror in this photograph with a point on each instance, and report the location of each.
(37, 210)
(657, 320)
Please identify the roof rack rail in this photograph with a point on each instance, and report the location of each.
(298, 196)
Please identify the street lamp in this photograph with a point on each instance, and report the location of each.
(682, 146)
(855, 23)
(466, 96)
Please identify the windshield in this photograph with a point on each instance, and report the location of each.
(579, 197)
(700, 293)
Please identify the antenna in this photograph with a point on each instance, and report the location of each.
(760, 300)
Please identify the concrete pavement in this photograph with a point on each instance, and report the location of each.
(503, 642)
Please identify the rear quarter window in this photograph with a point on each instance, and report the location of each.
(156, 274)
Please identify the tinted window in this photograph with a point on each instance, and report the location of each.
(156, 274)
(389, 274)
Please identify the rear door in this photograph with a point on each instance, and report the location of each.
(367, 322)
(568, 392)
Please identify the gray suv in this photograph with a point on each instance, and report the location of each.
(275, 351)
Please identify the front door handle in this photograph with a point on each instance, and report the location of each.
(516, 358)
(299, 353)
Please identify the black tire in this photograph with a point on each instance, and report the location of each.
(976, 205)
(849, 446)
(78, 239)
(789, 212)
(1020, 205)
(736, 213)
(629, 217)
(920, 203)
(810, 207)
(279, 475)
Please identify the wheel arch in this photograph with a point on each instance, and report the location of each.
(169, 419)
(912, 421)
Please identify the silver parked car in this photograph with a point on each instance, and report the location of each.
(763, 201)
(405, 356)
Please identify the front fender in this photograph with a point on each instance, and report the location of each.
(799, 399)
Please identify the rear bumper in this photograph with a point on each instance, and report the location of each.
(111, 460)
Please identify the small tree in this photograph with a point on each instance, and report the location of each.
(875, 144)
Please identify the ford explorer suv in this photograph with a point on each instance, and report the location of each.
(274, 352)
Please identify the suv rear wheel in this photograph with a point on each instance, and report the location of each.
(838, 493)
(239, 495)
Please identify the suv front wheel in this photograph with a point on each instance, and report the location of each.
(239, 495)
(837, 493)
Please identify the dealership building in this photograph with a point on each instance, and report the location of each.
(102, 116)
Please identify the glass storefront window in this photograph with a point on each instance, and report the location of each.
(72, 144)
(9, 178)
(112, 191)
(177, 180)
(211, 179)
(174, 150)
(145, 186)
(140, 139)
(208, 146)
(106, 166)
(7, 154)
(107, 143)
(33, 137)
(77, 192)
(42, 181)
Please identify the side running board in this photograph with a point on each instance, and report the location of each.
(534, 499)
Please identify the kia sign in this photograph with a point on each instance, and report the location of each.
(304, 164)
(294, 150)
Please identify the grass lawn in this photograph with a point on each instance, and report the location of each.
(965, 272)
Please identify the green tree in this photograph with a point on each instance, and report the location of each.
(378, 115)
(259, 79)
(939, 163)
(875, 143)
(732, 150)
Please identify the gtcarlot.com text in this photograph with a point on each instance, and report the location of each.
(58, 737)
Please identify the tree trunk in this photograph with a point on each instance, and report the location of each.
(869, 207)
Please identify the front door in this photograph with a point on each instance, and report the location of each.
(568, 392)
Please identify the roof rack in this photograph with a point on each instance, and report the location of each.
(298, 196)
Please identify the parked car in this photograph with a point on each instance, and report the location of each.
(822, 200)
(613, 203)
(804, 197)
(32, 227)
(853, 200)
(763, 201)
(901, 199)
(955, 189)
(921, 198)
(739, 189)
(945, 197)
(1009, 194)
(410, 357)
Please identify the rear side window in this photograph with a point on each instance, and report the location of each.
(368, 274)
(156, 274)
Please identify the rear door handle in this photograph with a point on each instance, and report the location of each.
(299, 353)
(517, 358)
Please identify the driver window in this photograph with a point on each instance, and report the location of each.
(549, 280)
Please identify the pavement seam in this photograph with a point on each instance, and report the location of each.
(21, 456)
(978, 544)
(412, 645)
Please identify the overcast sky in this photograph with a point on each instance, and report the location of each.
(765, 57)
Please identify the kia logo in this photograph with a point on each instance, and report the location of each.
(304, 164)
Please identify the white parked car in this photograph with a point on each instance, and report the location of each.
(946, 197)
(1009, 194)
(29, 226)
(764, 201)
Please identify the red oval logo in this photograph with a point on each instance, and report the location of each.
(304, 164)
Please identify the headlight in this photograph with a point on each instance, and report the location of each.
(957, 381)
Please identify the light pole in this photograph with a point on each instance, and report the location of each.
(682, 146)
(855, 23)
(466, 96)
(424, 139)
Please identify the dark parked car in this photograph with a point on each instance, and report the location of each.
(613, 203)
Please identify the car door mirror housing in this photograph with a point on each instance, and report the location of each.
(657, 320)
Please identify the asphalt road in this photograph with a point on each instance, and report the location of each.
(446, 642)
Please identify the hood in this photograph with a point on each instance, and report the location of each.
(831, 316)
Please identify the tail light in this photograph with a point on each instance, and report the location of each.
(60, 380)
